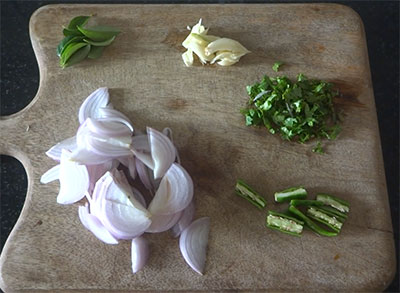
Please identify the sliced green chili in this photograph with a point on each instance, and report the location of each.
(290, 193)
(245, 191)
(337, 203)
(333, 212)
(284, 223)
(305, 202)
(320, 216)
(310, 223)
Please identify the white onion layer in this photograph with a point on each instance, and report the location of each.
(74, 180)
(50, 175)
(55, 151)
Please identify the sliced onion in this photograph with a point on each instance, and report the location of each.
(93, 224)
(100, 98)
(119, 211)
(105, 127)
(193, 244)
(174, 193)
(162, 152)
(143, 173)
(96, 172)
(74, 180)
(141, 143)
(115, 116)
(139, 196)
(161, 223)
(55, 151)
(103, 145)
(50, 175)
(132, 167)
(184, 220)
(139, 253)
(168, 132)
(84, 156)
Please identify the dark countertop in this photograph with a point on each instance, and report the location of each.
(20, 78)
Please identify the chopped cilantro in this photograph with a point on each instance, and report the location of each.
(276, 66)
(318, 148)
(300, 110)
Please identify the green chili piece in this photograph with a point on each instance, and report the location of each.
(320, 216)
(305, 202)
(311, 224)
(337, 203)
(333, 212)
(290, 193)
(284, 223)
(245, 191)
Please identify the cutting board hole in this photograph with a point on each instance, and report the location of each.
(13, 186)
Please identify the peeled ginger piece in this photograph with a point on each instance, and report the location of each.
(212, 49)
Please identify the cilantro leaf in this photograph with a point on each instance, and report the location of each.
(318, 148)
(276, 66)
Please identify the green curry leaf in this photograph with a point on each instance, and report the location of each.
(99, 33)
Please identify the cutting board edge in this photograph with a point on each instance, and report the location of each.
(25, 160)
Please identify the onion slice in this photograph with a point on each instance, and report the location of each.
(139, 253)
(174, 193)
(51, 175)
(74, 180)
(162, 151)
(113, 115)
(94, 225)
(55, 151)
(100, 98)
(184, 221)
(143, 173)
(119, 210)
(100, 143)
(193, 244)
(161, 223)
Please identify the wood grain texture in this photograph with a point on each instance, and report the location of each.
(49, 250)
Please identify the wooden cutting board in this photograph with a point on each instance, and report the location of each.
(49, 250)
